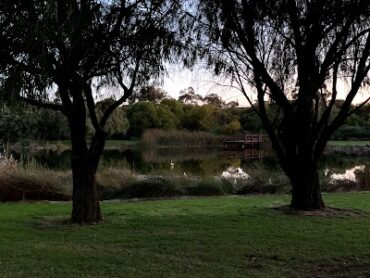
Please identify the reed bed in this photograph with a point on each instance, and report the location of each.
(179, 138)
(30, 181)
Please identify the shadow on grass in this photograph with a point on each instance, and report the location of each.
(326, 212)
(339, 267)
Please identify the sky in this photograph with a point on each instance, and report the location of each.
(204, 82)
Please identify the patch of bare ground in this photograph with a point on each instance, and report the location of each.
(326, 212)
(340, 267)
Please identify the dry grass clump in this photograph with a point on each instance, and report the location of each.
(7, 163)
(113, 177)
(31, 182)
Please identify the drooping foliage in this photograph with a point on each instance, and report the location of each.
(76, 50)
(298, 55)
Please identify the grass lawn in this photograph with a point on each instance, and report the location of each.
(349, 143)
(208, 237)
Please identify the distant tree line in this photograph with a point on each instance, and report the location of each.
(144, 111)
(151, 107)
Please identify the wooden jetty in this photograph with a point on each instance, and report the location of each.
(247, 154)
(244, 141)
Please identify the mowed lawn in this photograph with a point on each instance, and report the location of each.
(208, 237)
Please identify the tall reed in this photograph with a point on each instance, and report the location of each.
(177, 138)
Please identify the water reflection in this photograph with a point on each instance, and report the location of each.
(234, 174)
(348, 175)
(252, 164)
(192, 161)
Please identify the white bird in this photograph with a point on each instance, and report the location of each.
(172, 165)
(185, 175)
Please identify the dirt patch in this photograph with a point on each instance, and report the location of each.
(327, 212)
(341, 267)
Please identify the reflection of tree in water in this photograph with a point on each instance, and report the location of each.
(337, 167)
(199, 162)
(194, 161)
(178, 154)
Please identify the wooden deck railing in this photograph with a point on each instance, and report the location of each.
(248, 138)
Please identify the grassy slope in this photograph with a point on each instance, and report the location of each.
(207, 237)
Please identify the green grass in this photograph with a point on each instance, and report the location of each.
(208, 237)
(349, 143)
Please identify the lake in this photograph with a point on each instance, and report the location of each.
(203, 162)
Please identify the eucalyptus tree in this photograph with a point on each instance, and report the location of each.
(71, 50)
(149, 93)
(300, 55)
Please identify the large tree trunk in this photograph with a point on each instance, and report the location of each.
(86, 207)
(306, 191)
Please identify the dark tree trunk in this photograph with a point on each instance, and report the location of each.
(306, 192)
(86, 207)
(302, 171)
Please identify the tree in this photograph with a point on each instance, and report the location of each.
(142, 116)
(202, 118)
(149, 93)
(214, 99)
(188, 96)
(232, 127)
(177, 109)
(117, 124)
(16, 123)
(64, 47)
(292, 52)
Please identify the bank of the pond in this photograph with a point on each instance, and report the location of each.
(349, 143)
(62, 145)
(154, 138)
(167, 172)
(45, 184)
(210, 237)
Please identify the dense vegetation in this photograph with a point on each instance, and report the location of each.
(131, 121)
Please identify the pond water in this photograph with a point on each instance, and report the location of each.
(193, 161)
(204, 162)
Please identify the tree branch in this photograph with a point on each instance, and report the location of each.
(127, 93)
(91, 106)
(357, 108)
(40, 104)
